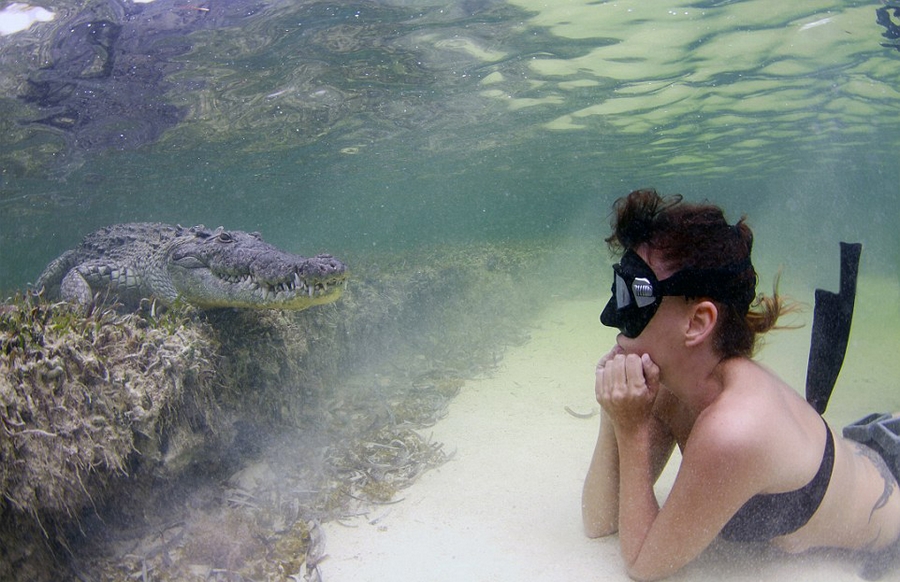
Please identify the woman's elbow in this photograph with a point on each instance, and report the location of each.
(639, 574)
(643, 576)
(594, 531)
(599, 529)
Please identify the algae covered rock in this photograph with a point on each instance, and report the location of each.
(171, 445)
(83, 399)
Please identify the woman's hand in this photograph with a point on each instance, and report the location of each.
(616, 350)
(626, 388)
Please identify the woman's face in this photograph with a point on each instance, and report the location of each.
(661, 334)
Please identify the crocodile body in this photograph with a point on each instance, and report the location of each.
(205, 268)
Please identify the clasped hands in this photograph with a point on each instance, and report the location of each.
(626, 388)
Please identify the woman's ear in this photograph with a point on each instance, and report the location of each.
(704, 315)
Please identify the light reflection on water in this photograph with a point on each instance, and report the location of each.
(487, 119)
(340, 126)
(357, 125)
(349, 126)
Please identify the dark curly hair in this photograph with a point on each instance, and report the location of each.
(698, 236)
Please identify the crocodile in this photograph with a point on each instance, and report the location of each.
(204, 268)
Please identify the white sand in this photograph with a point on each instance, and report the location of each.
(507, 506)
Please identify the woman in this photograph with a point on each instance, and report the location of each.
(758, 463)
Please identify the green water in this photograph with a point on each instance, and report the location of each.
(352, 126)
(390, 125)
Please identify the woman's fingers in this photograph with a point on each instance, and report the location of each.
(634, 373)
(608, 356)
(601, 366)
(598, 384)
(651, 373)
(621, 375)
(626, 386)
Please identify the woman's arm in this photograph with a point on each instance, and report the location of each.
(600, 494)
(721, 469)
(718, 474)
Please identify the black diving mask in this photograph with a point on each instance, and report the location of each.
(637, 293)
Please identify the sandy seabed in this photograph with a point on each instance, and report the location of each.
(507, 506)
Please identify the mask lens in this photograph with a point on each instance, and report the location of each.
(622, 293)
(633, 302)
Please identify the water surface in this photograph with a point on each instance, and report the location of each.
(339, 126)
(390, 125)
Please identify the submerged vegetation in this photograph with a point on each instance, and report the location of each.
(186, 444)
(81, 392)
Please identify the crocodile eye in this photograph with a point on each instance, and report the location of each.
(224, 237)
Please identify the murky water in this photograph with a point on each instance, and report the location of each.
(349, 125)
(394, 124)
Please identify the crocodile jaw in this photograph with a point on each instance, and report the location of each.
(204, 288)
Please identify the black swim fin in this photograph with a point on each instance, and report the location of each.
(831, 330)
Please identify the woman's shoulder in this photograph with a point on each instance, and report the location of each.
(768, 425)
(729, 447)
(724, 428)
(742, 370)
(758, 397)
(755, 413)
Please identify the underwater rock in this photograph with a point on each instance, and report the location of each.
(84, 398)
(128, 441)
